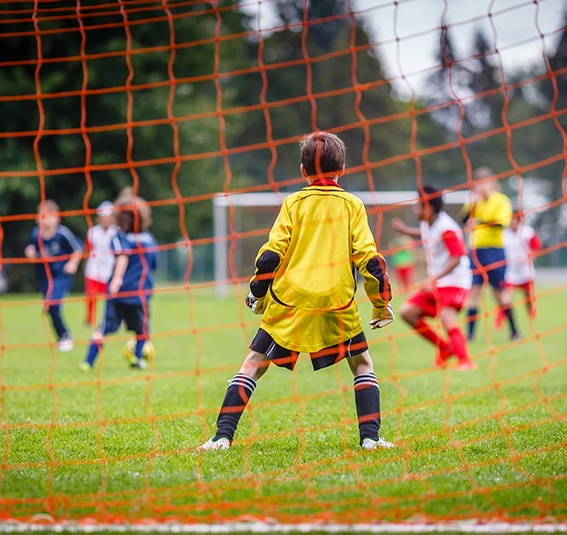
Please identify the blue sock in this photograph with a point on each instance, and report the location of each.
(139, 347)
(508, 313)
(472, 318)
(57, 320)
(92, 353)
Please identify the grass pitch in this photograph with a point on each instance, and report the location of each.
(119, 443)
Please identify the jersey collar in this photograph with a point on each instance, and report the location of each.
(323, 182)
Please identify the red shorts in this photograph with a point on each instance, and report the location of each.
(404, 274)
(93, 287)
(528, 287)
(431, 303)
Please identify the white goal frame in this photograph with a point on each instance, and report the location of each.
(222, 203)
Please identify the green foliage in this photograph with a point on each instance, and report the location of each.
(106, 108)
(325, 75)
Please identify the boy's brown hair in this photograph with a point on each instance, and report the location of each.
(322, 152)
(126, 219)
(48, 206)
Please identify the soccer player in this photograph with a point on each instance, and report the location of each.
(491, 214)
(402, 260)
(131, 284)
(304, 287)
(447, 288)
(100, 262)
(61, 252)
(520, 242)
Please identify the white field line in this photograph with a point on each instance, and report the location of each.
(262, 527)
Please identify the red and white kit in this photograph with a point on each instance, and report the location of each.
(99, 266)
(443, 240)
(518, 247)
(101, 257)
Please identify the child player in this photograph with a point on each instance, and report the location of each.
(304, 287)
(520, 242)
(131, 284)
(61, 252)
(491, 214)
(100, 263)
(446, 291)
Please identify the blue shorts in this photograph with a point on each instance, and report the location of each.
(484, 263)
(60, 287)
(132, 315)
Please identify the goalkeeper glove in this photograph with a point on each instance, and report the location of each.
(255, 304)
(382, 316)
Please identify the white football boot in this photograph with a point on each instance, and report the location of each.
(369, 444)
(211, 444)
(65, 343)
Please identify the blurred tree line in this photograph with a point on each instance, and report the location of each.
(332, 60)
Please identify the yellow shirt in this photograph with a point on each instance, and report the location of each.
(498, 209)
(321, 233)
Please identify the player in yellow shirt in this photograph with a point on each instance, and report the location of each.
(305, 285)
(491, 213)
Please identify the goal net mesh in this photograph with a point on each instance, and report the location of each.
(193, 103)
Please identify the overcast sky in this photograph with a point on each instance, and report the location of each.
(514, 31)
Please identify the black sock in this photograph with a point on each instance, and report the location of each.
(367, 398)
(508, 313)
(472, 319)
(237, 396)
(57, 320)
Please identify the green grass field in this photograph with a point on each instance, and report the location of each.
(119, 443)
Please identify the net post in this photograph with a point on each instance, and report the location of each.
(220, 227)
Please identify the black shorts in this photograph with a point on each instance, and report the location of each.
(286, 358)
(132, 315)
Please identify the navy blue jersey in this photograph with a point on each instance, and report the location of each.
(141, 263)
(62, 244)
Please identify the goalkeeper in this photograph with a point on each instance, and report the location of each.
(304, 287)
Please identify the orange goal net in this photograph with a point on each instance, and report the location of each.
(197, 108)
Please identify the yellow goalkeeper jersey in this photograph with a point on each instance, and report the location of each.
(320, 234)
(497, 209)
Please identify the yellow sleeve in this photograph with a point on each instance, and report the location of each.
(465, 213)
(369, 262)
(271, 253)
(503, 211)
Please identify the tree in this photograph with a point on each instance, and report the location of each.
(321, 53)
(105, 108)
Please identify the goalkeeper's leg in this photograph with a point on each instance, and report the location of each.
(367, 399)
(238, 394)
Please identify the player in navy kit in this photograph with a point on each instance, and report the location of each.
(61, 252)
(131, 284)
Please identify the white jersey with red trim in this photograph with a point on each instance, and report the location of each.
(517, 248)
(100, 263)
(443, 240)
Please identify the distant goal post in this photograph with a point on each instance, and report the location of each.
(222, 203)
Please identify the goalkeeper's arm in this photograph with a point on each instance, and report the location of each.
(266, 265)
(372, 267)
(268, 259)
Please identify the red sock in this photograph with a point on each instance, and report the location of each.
(499, 317)
(428, 333)
(459, 344)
